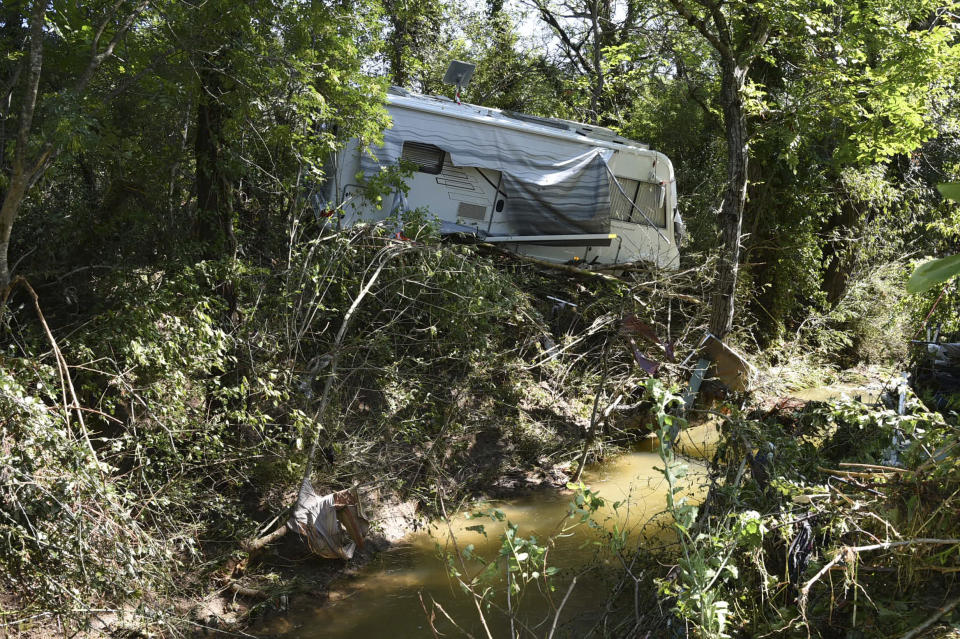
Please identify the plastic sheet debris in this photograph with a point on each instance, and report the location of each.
(333, 524)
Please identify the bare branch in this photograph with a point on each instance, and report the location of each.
(850, 552)
(7, 94)
(97, 58)
(551, 19)
(701, 26)
(940, 612)
(724, 32)
(95, 45)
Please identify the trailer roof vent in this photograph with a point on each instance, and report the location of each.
(472, 211)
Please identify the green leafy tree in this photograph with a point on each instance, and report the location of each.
(826, 90)
(85, 39)
(738, 33)
(277, 87)
(598, 44)
(414, 32)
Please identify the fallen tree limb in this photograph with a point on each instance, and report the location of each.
(586, 272)
(243, 591)
(849, 553)
(888, 469)
(566, 268)
(854, 473)
(254, 545)
(941, 611)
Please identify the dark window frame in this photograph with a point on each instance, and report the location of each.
(417, 148)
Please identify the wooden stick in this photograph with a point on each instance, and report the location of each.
(243, 591)
(556, 617)
(583, 272)
(941, 611)
(891, 469)
(853, 473)
(253, 545)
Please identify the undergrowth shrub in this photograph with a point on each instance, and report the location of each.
(870, 325)
(200, 386)
(819, 486)
(72, 536)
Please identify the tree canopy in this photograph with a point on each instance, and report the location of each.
(186, 332)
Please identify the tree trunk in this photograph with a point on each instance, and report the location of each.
(214, 228)
(395, 48)
(837, 253)
(731, 210)
(8, 213)
(20, 182)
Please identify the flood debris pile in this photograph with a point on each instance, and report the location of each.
(198, 392)
(827, 519)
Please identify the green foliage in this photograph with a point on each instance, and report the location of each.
(198, 379)
(704, 558)
(284, 87)
(825, 469)
(198, 385)
(934, 272)
(72, 537)
(950, 191)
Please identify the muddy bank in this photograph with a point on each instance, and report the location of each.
(291, 578)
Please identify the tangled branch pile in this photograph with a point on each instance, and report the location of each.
(826, 520)
(199, 386)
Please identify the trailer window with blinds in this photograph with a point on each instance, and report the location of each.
(427, 157)
(650, 198)
(620, 201)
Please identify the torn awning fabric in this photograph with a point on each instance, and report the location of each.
(553, 186)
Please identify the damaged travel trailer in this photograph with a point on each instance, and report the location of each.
(543, 187)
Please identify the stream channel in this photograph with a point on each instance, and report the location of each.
(383, 599)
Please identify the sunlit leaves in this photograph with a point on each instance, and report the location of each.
(934, 272)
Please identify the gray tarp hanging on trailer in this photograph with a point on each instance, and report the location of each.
(552, 186)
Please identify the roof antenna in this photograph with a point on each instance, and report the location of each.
(459, 73)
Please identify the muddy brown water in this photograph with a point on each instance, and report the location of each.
(866, 394)
(384, 598)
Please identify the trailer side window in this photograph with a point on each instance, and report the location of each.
(427, 157)
(647, 197)
(621, 207)
(652, 200)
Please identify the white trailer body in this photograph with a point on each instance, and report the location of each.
(547, 188)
